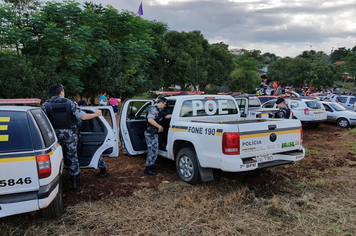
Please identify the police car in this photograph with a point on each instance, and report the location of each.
(31, 160)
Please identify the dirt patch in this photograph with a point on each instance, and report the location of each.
(126, 173)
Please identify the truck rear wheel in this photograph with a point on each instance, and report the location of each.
(187, 166)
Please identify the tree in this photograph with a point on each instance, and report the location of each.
(244, 77)
(320, 75)
(339, 54)
(289, 70)
(313, 56)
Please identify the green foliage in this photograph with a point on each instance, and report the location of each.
(339, 54)
(244, 77)
(313, 56)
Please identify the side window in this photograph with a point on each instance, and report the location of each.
(14, 132)
(294, 105)
(342, 99)
(107, 115)
(241, 104)
(268, 105)
(92, 125)
(137, 110)
(45, 127)
(327, 108)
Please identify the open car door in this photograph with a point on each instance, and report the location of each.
(98, 136)
(132, 125)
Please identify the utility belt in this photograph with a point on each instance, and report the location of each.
(152, 130)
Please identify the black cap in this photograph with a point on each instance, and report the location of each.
(55, 89)
(82, 103)
(161, 99)
(279, 100)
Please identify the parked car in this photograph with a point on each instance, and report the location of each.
(31, 159)
(266, 98)
(308, 110)
(346, 101)
(339, 114)
(31, 163)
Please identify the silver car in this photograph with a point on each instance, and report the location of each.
(339, 114)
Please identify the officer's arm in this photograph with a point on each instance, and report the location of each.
(168, 116)
(92, 115)
(155, 124)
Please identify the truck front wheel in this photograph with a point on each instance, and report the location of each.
(187, 166)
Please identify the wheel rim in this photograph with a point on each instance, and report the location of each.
(343, 123)
(186, 167)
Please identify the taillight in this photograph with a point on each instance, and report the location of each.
(44, 166)
(231, 144)
(301, 135)
(306, 111)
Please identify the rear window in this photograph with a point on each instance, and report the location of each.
(254, 102)
(45, 127)
(314, 104)
(14, 132)
(208, 107)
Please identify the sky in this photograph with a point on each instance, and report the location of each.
(282, 27)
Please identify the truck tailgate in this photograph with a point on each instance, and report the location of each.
(18, 173)
(269, 137)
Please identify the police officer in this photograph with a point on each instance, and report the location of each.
(63, 114)
(155, 115)
(284, 111)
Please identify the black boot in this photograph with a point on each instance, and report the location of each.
(149, 171)
(102, 172)
(74, 181)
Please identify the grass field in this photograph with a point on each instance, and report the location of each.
(316, 196)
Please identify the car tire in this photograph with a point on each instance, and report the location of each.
(56, 207)
(187, 166)
(342, 122)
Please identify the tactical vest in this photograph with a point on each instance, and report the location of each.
(285, 113)
(158, 119)
(61, 115)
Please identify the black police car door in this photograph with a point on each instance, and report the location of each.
(132, 125)
(98, 136)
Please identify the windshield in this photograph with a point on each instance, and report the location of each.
(337, 107)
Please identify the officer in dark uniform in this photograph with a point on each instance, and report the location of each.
(63, 114)
(155, 115)
(284, 111)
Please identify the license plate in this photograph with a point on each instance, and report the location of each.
(264, 158)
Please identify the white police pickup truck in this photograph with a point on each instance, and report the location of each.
(31, 160)
(206, 132)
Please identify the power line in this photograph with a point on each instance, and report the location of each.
(242, 18)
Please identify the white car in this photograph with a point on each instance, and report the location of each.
(31, 160)
(346, 101)
(308, 110)
(339, 114)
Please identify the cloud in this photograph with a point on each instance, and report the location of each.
(283, 27)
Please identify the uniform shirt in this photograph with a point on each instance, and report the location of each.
(153, 112)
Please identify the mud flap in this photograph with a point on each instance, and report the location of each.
(206, 174)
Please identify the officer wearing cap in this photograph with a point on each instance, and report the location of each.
(284, 111)
(155, 115)
(63, 114)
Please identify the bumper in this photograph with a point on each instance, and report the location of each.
(17, 203)
(247, 164)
